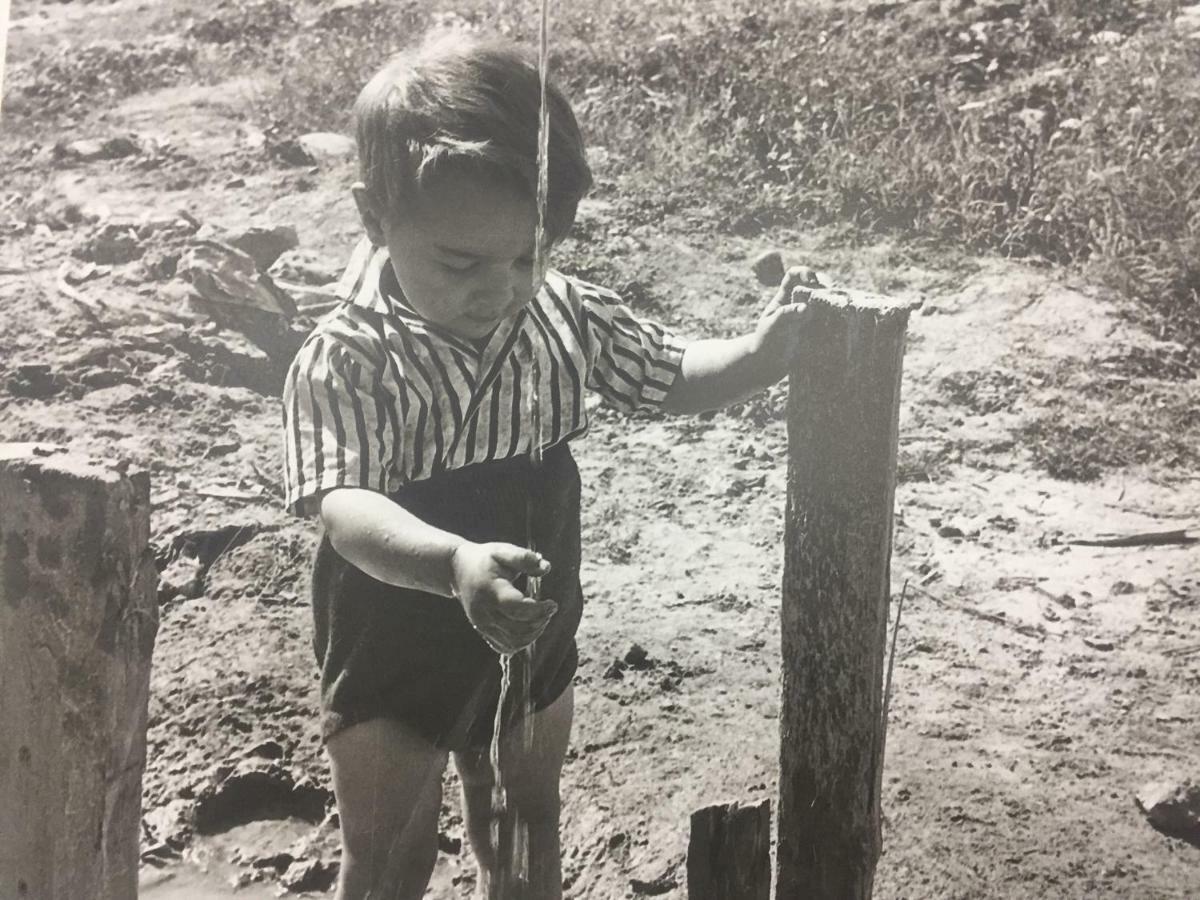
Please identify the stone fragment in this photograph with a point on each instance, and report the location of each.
(304, 267)
(309, 875)
(36, 381)
(93, 149)
(1172, 809)
(327, 146)
(636, 657)
(182, 578)
(265, 245)
(768, 268)
(111, 244)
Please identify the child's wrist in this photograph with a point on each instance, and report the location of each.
(453, 560)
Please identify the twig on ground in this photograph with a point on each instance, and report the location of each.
(1141, 539)
(1181, 652)
(995, 618)
(81, 302)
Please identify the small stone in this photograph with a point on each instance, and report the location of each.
(1172, 809)
(112, 244)
(327, 146)
(636, 657)
(615, 671)
(768, 268)
(267, 750)
(950, 531)
(93, 149)
(183, 578)
(1097, 643)
(222, 448)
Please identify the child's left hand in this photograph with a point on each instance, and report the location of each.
(778, 332)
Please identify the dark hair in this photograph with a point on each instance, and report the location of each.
(460, 101)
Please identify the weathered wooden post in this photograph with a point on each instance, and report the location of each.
(78, 618)
(842, 432)
(729, 852)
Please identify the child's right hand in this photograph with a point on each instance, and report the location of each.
(482, 580)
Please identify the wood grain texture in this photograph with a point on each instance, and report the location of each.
(842, 428)
(729, 852)
(78, 618)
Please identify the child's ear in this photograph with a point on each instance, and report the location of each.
(372, 220)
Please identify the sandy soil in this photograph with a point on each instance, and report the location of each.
(1038, 684)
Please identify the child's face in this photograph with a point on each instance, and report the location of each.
(462, 250)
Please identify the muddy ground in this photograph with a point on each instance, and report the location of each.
(1039, 683)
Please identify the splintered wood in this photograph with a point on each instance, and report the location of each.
(78, 618)
(842, 432)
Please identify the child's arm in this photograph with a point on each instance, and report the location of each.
(715, 373)
(393, 546)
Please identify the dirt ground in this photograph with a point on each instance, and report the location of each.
(1039, 683)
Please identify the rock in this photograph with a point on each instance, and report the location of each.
(309, 875)
(267, 750)
(615, 671)
(112, 244)
(768, 268)
(289, 152)
(1172, 809)
(950, 531)
(36, 381)
(182, 578)
(92, 149)
(304, 267)
(327, 146)
(265, 245)
(170, 824)
(225, 275)
(636, 657)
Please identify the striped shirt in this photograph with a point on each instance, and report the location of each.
(378, 397)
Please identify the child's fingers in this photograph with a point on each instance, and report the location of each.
(521, 560)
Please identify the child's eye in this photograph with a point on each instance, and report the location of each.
(460, 266)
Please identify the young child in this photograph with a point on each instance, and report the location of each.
(409, 429)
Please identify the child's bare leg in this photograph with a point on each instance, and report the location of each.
(388, 784)
(531, 779)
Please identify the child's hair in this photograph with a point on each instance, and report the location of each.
(457, 100)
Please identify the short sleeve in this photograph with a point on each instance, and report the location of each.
(340, 429)
(632, 362)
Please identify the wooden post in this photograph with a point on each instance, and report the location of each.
(729, 852)
(78, 617)
(842, 432)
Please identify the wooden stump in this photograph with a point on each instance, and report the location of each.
(842, 431)
(729, 852)
(78, 617)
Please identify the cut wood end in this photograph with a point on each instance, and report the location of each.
(845, 298)
(56, 459)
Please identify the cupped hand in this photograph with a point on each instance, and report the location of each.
(482, 578)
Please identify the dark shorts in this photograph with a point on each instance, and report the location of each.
(411, 656)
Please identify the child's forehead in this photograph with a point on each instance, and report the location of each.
(472, 215)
